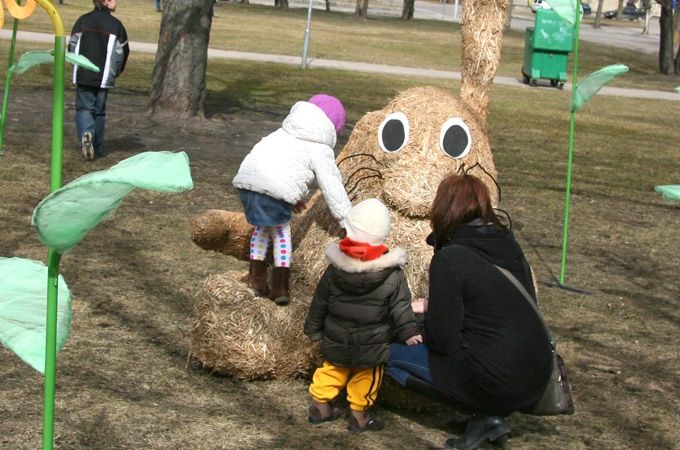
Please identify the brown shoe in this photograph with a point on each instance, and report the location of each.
(279, 292)
(316, 416)
(372, 424)
(257, 277)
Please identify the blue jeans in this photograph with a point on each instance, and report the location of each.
(158, 5)
(408, 360)
(91, 115)
(263, 210)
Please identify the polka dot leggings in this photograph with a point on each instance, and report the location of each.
(280, 236)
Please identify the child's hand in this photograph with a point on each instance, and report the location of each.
(413, 340)
(419, 305)
(299, 207)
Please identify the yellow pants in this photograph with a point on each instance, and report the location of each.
(362, 384)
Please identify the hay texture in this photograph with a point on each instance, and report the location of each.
(222, 231)
(247, 337)
(250, 338)
(482, 30)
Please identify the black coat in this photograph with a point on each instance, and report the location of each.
(360, 307)
(487, 347)
(101, 38)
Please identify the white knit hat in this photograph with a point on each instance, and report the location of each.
(368, 221)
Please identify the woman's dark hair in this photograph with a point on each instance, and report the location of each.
(461, 199)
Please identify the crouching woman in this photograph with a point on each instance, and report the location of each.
(485, 348)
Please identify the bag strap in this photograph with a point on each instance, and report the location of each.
(526, 295)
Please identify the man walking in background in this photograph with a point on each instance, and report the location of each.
(101, 38)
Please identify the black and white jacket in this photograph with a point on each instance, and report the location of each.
(359, 307)
(102, 39)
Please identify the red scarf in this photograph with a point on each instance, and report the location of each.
(361, 250)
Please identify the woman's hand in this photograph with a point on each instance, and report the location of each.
(419, 305)
(413, 340)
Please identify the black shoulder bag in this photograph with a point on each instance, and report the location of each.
(556, 398)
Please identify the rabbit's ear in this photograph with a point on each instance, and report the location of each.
(482, 28)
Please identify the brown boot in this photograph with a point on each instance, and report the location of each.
(257, 277)
(279, 292)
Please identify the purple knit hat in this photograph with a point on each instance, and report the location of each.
(333, 109)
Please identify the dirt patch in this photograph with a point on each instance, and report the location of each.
(123, 378)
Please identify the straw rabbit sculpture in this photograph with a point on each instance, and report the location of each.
(398, 154)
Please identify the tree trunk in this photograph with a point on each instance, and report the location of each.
(407, 10)
(361, 10)
(646, 6)
(619, 11)
(281, 4)
(666, 37)
(676, 40)
(328, 5)
(178, 80)
(598, 14)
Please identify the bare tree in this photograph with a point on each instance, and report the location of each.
(598, 14)
(178, 80)
(361, 9)
(408, 9)
(647, 8)
(666, 65)
(676, 38)
(619, 11)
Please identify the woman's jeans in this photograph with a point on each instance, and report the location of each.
(408, 360)
(91, 115)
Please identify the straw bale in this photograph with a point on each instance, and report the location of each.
(248, 337)
(222, 231)
(407, 180)
(482, 30)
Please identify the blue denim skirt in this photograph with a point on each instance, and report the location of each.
(263, 210)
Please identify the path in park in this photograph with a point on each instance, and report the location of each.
(143, 47)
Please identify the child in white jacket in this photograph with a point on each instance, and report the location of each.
(274, 180)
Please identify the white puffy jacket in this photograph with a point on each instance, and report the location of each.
(284, 163)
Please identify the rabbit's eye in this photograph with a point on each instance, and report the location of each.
(454, 138)
(393, 132)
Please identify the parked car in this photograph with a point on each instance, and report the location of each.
(630, 12)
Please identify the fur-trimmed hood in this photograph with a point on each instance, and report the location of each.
(396, 257)
(356, 277)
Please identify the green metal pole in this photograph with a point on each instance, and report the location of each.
(58, 112)
(53, 256)
(570, 159)
(8, 81)
(50, 348)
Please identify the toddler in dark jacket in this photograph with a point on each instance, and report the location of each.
(362, 302)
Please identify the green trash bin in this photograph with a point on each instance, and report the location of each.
(546, 49)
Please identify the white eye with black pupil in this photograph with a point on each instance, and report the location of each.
(454, 138)
(393, 132)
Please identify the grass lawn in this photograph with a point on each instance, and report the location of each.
(335, 35)
(123, 377)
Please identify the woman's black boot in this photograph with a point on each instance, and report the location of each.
(480, 430)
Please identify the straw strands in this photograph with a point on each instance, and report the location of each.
(222, 231)
(482, 29)
(249, 337)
